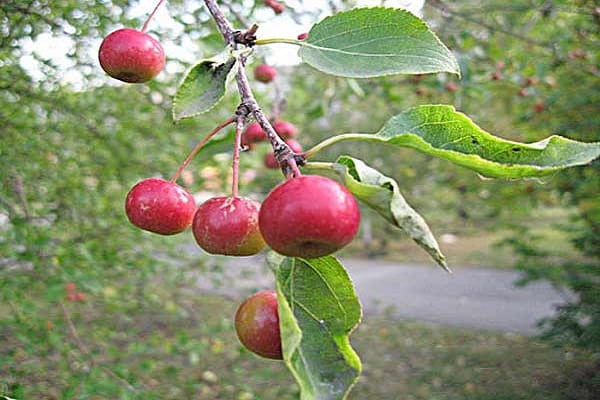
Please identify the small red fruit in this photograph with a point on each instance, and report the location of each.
(228, 226)
(523, 92)
(71, 297)
(496, 75)
(257, 325)
(452, 86)
(254, 133)
(309, 216)
(70, 287)
(265, 73)
(271, 162)
(79, 296)
(539, 107)
(285, 129)
(131, 56)
(276, 6)
(160, 206)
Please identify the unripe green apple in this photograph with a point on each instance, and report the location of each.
(309, 216)
(131, 56)
(228, 226)
(257, 324)
(160, 206)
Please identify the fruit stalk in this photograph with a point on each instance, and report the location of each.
(239, 128)
(199, 146)
(145, 26)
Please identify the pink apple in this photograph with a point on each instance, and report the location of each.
(265, 73)
(271, 162)
(257, 324)
(131, 56)
(309, 216)
(228, 226)
(285, 129)
(160, 206)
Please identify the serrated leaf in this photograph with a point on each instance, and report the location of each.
(203, 87)
(370, 42)
(318, 309)
(383, 195)
(442, 131)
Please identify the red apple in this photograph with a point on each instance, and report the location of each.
(131, 56)
(539, 107)
(265, 73)
(79, 296)
(257, 324)
(254, 133)
(285, 129)
(271, 162)
(160, 206)
(276, 6)
(452, 86)
(228, 226)
(70, 287)
(309, 216)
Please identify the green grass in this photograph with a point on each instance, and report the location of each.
(183, 346)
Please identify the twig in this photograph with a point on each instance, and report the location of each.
(83, 348)
(285, 156)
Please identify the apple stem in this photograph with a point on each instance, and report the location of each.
(145, 26)
(199, 146)
(236, 155)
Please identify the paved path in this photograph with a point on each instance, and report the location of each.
(470, 297)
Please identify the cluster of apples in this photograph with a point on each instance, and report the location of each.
(306, 216)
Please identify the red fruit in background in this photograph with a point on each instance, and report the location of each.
(309, 216)
(228, 226)
(265, 73)
(531, 81)
(70, 287)
(539, 107)
(79, 296)
(160, 206)
(257, 324)
(496, 76)
(254, 133)
(452, 86)
(271, 162)
(276, 6)
(285, 129)
(523, 92)
(131, 56)
(71, 297)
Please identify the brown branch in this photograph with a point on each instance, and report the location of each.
(249, 106)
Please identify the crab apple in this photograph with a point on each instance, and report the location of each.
(452, 86)
(276, 6)
(79, 296)
(285, 129)
(309, 216)
(539, 107)
(271, 162)
(71, 297)
(496, 76)
(265, 73)
(131, 56)
(254, 133)
(228, 226)
(257, 324)
(160, 206)
(70, 287)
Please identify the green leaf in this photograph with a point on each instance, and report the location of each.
(441, 131)
(382, 194)
(203, 87)
(318, 309)
(370, 42)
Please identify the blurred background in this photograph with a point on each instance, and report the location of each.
(73, 142)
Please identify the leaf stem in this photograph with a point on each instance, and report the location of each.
(296, 42)
(199, 147)
(145, 26)
(336, 139)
